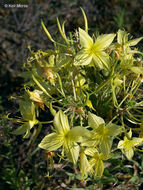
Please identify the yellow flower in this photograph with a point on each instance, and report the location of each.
(94, 52)
(127, 145)
(65, 137)
(27, 110)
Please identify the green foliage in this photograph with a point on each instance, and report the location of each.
(92, 87)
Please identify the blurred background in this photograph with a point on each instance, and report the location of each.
(20, 28)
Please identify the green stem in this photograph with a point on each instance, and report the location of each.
(101, 86)
(45, 122)
(140, 150)
(41, 87)
(73, 86)
(123, 100)
(135, 88)
(126, 134)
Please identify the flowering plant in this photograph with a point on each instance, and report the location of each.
(91, 85)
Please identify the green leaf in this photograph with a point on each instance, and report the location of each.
(137, 70)
(61, 123)
(21, 130)
(122, 37)
(46, 31)
(85, 20)
(134, 42)
(94, 121)
(27, 110)
(51, 142)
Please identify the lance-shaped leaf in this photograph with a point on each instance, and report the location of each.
(94, 52)
(134, 41)
(27, 110)
(85, 20)
(25, 128)
(137, 70)
(127, 145)
(46, 31)
(122, 37)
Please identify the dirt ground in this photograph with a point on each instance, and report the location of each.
(20, 27)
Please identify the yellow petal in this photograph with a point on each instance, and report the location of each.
(94, 121)
(72, 151)
(90, 151)
(101, 59)
(84, 165)
(61, 123)
(104, 41)
(51, 142)
(129, 153)
(76, 133)
(122, 37)
(83, 58)
(99, 168)
(137, 141)
(85, 40)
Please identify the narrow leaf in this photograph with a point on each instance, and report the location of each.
(85, 20)
(62, 31)
(46, 31)
(134, 42)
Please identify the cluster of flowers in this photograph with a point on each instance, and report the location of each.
(81, 81)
